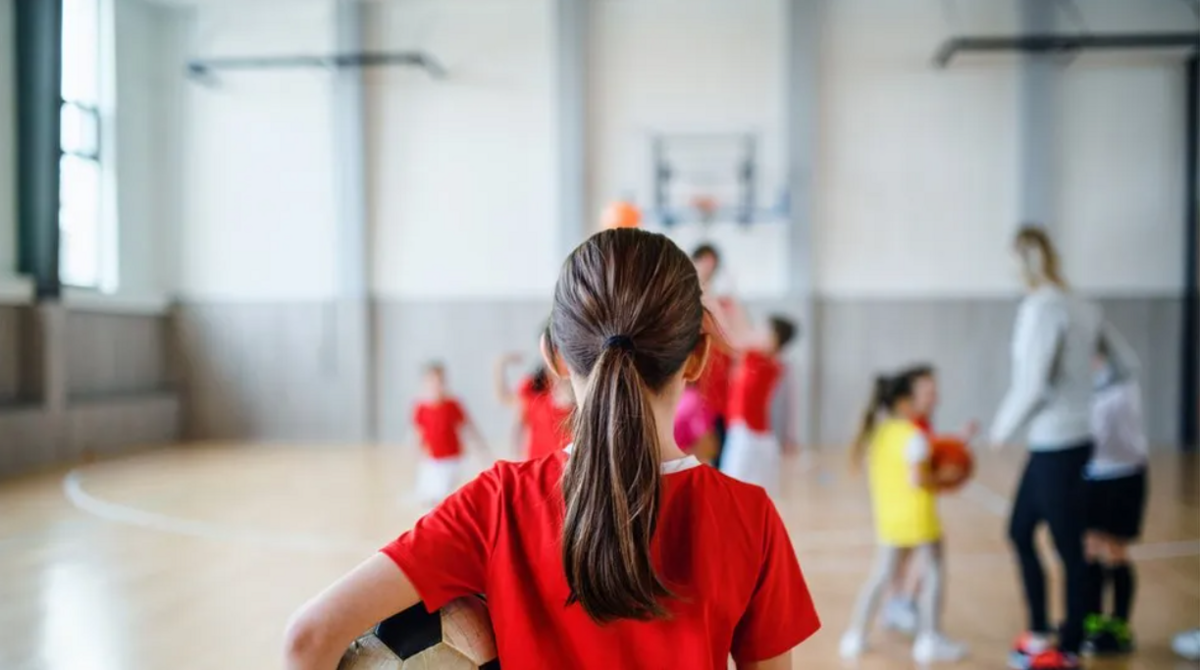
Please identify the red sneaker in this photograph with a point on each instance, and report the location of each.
(1027, 647)
(1054, 660)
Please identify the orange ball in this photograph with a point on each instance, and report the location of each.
(621, 214)
(950, 451)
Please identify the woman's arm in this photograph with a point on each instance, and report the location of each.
(323, 628)
(1036, 341)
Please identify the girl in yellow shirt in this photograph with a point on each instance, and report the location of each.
(903, 497)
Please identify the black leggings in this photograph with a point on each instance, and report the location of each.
(1052, 490)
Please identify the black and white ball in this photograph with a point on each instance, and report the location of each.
(457, 637)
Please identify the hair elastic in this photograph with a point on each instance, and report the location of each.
(619, 341)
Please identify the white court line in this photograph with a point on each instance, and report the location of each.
(132, 516)
(986, 498)
(318, 544)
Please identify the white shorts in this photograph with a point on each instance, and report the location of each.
(752, 457)
(437, 478)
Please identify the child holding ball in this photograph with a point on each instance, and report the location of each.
(900, 611)
(903, 487)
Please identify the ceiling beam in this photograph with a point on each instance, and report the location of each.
(1063, 43)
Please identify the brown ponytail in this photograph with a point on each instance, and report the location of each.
(879, 394)
(627, 314)
(886, 393)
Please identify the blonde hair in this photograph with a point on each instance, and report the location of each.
(1039, 259)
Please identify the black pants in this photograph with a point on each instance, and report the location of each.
(719, 431)
(1052, 490)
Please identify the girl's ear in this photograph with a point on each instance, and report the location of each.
(554, 363)
(693, 367)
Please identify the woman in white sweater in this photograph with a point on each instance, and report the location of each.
(1054, 341)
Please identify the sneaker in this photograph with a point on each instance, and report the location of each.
(1105, 636)
(1102, 644)
(900, 615)
(1054, 660)
(1095, 624)
(1027, 646)
(852, 645)
(936, 648)
(1187, 644)
(1122, 636)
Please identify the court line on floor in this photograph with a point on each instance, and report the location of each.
(131, 516)
(989, 500)
(1000, 505)
(319, 544)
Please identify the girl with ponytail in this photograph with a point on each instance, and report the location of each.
(903, 489)
(619, 551)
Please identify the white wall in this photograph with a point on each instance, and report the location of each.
(149, 81)
(8, 141)
(1121, 175)
(256, 161)
(684, 66)
(917, 180)
(918, 186)
(461, 191)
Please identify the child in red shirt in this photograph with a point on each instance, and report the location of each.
(545, 406)
(439, 419)
(752, 451)
(620, 552)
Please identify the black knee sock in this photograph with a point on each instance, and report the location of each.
(1121, 575)
(1097, 580)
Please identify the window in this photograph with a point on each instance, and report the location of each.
(80, 193)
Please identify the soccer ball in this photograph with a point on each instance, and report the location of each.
(456, 637)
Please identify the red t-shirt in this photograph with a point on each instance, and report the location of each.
(719, 546)
(753, 382)
(548, 424)
(439, 423)
(714, 381)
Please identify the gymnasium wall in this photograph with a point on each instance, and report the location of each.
(919, 191)
(704, 66)
(917, 194)
(462, 197)
(11, 343)
(461, 189)
(8, 151)
(93, 374)
(146, 119)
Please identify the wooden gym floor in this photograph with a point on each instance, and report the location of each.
(192, 558)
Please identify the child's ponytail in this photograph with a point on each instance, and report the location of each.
(627, 315)
(880, 393)
(612, 490)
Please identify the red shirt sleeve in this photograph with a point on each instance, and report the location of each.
(781, 614)
(418, 416)
(446, 554)
(460, 414)
(525, 389)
